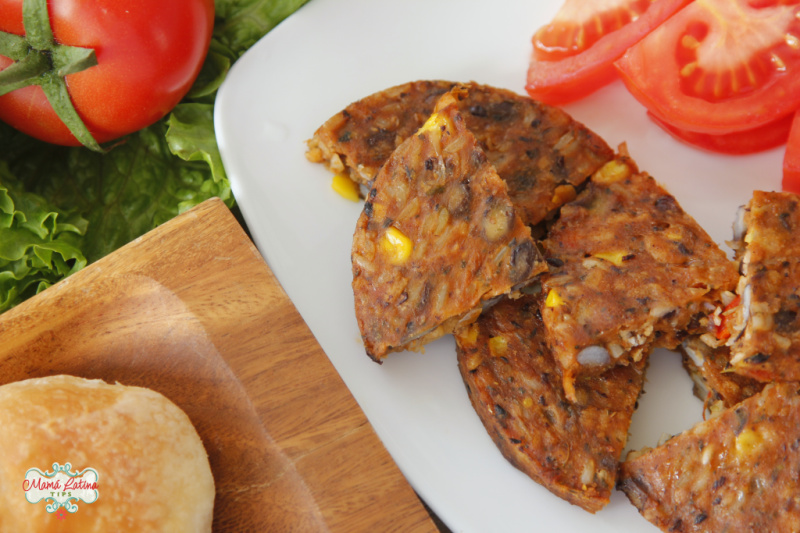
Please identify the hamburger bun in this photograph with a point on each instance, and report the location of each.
(152, 470)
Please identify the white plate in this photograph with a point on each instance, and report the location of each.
(333, 52)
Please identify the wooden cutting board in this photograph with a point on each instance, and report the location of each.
(192, 311)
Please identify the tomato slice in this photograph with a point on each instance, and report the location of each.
(719, 66)
(574, 55)
(577, 26)
(791, 159)
(735, 143)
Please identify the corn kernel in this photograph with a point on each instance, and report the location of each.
(434, 123)
(612, 172)
(612, 257)
(498, 346)
(748, 441)
(396, 245)
(473, 361)
(563, 194)
(469, 335)
(527, 403)
(345, 187)
(553, 299)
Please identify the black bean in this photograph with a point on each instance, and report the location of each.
(478, 110)
(555, 262)
(502, 110)
(785, 221)
(757, 359)
(742, 417)
(381, 136)
(522, 259)
(666, 203)
(559, 166)
(784, 319)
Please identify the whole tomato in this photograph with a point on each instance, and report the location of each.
(148, 52)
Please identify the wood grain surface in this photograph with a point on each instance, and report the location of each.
(192, 310)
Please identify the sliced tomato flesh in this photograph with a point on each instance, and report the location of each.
(577, 26)
(720, 60)
(742, 142)
(719, 66)
(581, 69)
(791, 158)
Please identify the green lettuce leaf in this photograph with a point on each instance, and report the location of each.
(124, 193)
(62, 208)
(191, 137)
(39, 245)
(243, 22)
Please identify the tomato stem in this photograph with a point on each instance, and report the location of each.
(55, 89)
(39, 60)
(36, 20)
(13, 46)
(21, 73)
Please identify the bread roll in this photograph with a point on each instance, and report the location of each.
(152, 470)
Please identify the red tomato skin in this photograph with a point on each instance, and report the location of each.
(574, 77)
(742, 142)
(565, 81)
(791, 158)
(149, 53)
(652, 76)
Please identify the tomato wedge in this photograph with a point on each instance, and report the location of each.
(719, 66)
(742, 142)
(574, 54)
(791, 159)
(577, 26)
